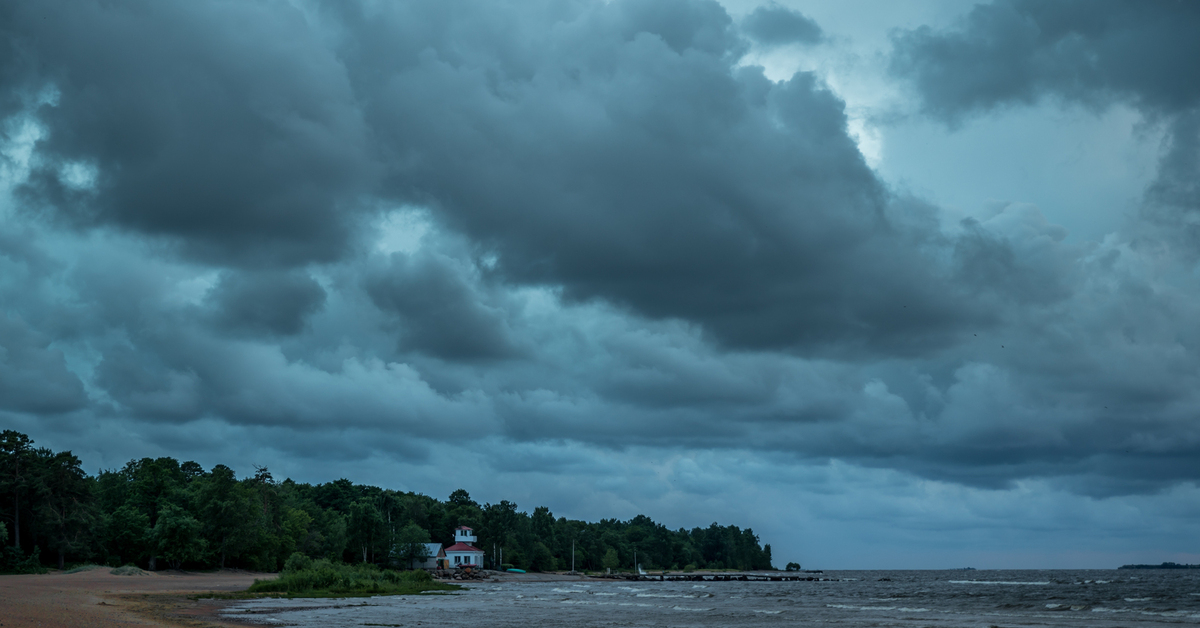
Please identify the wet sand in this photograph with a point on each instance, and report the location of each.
(97, 598)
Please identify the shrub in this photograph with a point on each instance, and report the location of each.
(326, 576)
(419, 576)
(297, 562)
(84, 567)
(15, 561)
(689, 568)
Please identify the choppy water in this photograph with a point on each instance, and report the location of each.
(1099, 598)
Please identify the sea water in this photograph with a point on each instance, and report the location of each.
(845, 598)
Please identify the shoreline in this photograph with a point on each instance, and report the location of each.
(162, 599)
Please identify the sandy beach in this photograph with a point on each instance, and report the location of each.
(98, 598)
(101, 599)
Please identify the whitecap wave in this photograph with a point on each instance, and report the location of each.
(1040, 583)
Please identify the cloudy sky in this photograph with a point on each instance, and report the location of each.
(894, 284)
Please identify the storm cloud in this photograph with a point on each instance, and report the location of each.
(591, 252)
(1092, 55)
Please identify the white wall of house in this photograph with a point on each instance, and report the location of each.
(464, 558)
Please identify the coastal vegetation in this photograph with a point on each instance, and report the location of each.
(160, 512)
(302, 576)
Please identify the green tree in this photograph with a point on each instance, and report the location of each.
(542, 559)
(65, 504)
(462, 498)
(15, 454)
(365, 526)
(611, 559)
(410, 545)
(154, 484)
(127, 534)
(177, 536)
(227, 513)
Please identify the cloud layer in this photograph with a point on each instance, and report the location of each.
(569, 236)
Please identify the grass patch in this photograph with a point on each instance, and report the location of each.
(322, 578)
(127, 570)
(86, 567)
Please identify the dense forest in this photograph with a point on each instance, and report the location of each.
(161, 513)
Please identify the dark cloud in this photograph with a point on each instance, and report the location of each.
(630, 248)
(635, 163)
(227, 127)
(270, 302)
(146, 387)
(1090, 53)
(440, 311)
(33, 375)
(775, 25)
(613, 149)
(1019, 51)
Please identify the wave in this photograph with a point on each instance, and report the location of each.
(1041, 583)
(694, 609)
(769, 612)
(861, 608)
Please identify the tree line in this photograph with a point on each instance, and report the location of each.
(159, 512)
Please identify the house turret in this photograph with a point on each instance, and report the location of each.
(463, 534)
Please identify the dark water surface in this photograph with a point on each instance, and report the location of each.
(858, 598)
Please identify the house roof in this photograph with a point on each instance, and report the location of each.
(463, 528)
(463, 547)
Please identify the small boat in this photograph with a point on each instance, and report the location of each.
(515, 570)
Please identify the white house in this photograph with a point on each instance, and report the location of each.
(462, 553)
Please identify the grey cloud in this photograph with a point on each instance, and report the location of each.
(688, 255)
(33, 375)
(440, 310)
(1018, 51)
(147, 387)
(614, 149)
(227, 128)
(776, 25)
(640, 166)
(265, 302)
(1174, 197)
(1013, 52)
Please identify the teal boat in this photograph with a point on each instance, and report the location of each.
(516, 570)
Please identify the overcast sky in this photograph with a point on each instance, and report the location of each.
(894, 284)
